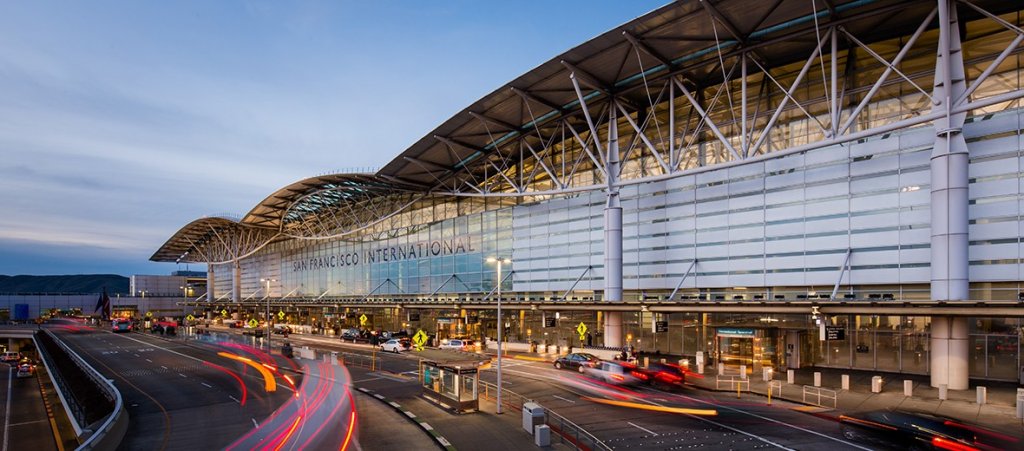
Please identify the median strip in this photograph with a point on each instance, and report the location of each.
(438, 438)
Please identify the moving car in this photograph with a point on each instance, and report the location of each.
(25, 369)
(121, 325)
(918, 430)
(10, 357)
(458, 344)
(577, 361)
(665, 375)
(281, 329)
(237, 324)
(617, 373)
(395, 345)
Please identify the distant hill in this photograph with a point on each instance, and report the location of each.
(79, 283)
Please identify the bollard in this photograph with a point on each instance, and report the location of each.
(943, 392)
(647, 361)
(790, 376)
(721, 368)
(846, 382)
(982, 396)
(700, 368)
(743, 371)
(876, 384)
(908, 388)
(817, 379)
(767, 377)
(1020, 403)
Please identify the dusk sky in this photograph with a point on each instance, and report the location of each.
(122, 121)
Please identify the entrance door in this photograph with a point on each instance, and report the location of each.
(736, 351)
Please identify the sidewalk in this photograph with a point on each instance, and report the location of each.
(998, 414)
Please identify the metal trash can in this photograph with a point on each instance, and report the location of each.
(533, 415)
(876, 384)
(542, 436)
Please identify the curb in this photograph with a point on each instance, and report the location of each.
(442, 442)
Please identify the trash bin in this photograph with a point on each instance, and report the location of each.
(542, 436)
(876, 384)
(533, 415)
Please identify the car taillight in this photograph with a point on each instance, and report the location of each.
(942, 443)
(639, 375)
(618, 377)
(666, 376)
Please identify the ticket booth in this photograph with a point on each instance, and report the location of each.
(452, 385)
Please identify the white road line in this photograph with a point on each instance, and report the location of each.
(642, 428)
(366, 380)
(207, 385)
(255, 424)
(136, 355)
(7, 414)
(563, 399)
(182, 375)
(150, 361)
(234, 399)
(164, 367)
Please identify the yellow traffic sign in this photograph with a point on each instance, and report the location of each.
(149, 314)
(253, 323)
(419, 339)
(362, 319)
(581, 329)
(190, 317)
(224, 312)
(280, 314)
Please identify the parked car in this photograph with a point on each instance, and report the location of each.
(121, 325)
(281, 329)
(456, 344)
(617, 373)
(237, 324)
(395, 345)
(577, 361)
(355, 336)
(10, 357)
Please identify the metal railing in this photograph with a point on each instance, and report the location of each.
(815, 395)
(775, 388)
(567, 431)
(732, 382)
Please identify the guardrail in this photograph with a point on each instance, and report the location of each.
(112, 427)
(775, 388)
(814, 395)
(567, 431)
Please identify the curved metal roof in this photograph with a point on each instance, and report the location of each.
(686, 40)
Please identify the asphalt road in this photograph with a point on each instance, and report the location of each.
(746, 423)
(178, 396)
(24, 419)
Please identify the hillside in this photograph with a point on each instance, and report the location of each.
(79, 283)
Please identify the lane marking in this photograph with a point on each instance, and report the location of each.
(409, 414)
(366, 380)
(182, 375)
(254, 423)
(207, 385)
(427, 426)
(234, 399)
(30, 422)
(150, 361)
(136, 355)
(642, 428)
(164, 367)
(564, 399)
(7, 414)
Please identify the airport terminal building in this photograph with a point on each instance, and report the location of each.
(781, 184)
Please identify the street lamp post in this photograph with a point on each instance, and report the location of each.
(269, 347)
(499, 261)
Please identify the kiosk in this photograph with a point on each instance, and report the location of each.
(452, 385)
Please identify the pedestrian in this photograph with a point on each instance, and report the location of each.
(590, 339)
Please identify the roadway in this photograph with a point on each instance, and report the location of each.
(746, 423)
(178, 396)
(25, 422)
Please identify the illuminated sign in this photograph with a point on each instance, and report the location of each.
(422, 249)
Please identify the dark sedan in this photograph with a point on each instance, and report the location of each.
(577, 361)
(918, 430)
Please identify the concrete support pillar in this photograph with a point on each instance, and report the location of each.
(236, 283)
(210, 282)
(949, 163)
(613, 237)
(949, 347)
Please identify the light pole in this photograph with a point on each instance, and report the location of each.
(501, 325)
(269, 348)
(184, 305)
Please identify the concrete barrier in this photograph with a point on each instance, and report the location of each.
(943, 392)
(817, 379)
(846, 382)
(743, 371)
(982, 396)
(790, 376)
(908, 388)
(876, 384)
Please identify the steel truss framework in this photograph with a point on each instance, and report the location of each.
(689, 87)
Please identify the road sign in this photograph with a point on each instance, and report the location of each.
(419, 339)
(253, 323)
(149, 314)
(224, 312)
(190, 317)
(362, 320)
(582, 330)
(280, 314)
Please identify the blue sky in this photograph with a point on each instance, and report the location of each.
(122, 121)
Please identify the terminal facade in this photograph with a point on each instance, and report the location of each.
(771, 185)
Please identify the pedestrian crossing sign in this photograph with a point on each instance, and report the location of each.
(190, 317)
(280, 314)
(419, 339)
(362, 319)
(253, 323)
(581, 329)
(224, 312)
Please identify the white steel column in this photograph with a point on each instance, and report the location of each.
(209, 282)
(949, 347)
(613, 237)
(949, 264)
(949, 352)
(236, 288)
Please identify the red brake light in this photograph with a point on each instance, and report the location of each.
(639, 375)
(618, 377)
(951, 445)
